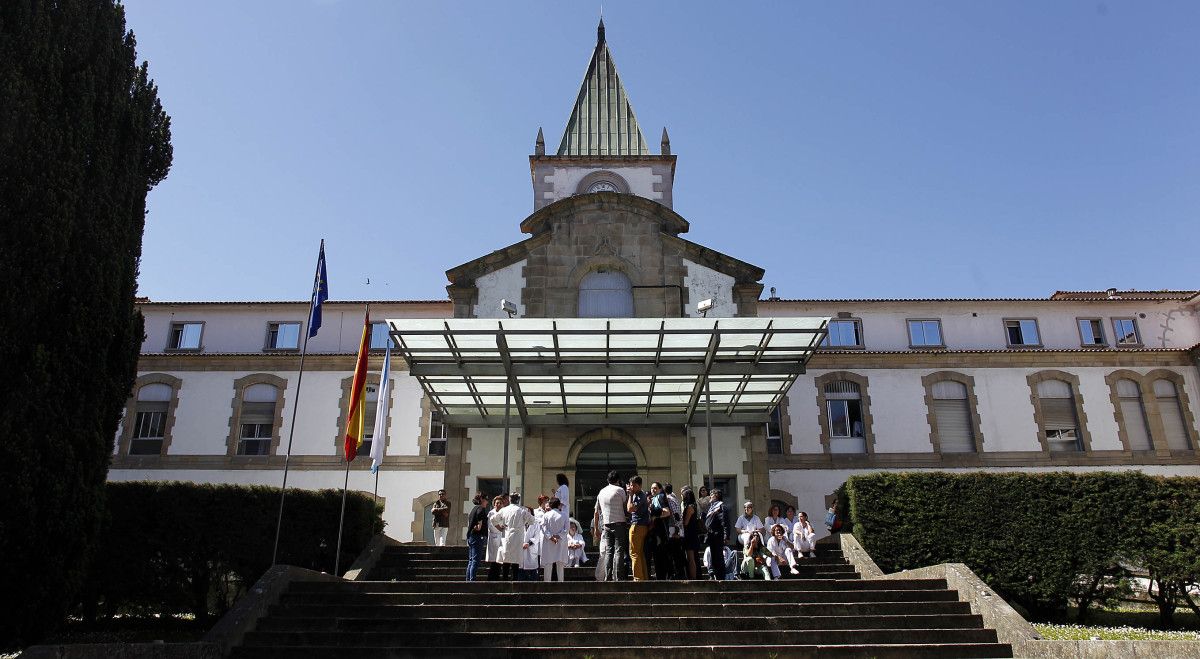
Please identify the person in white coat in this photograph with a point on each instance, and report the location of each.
(563, 493)
(495, 538)
(576, 546)
(554, 538)
(512, 521)
(804, 538)
(531, 550)
(747, 523)
(781, 551)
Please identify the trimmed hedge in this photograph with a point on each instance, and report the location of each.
(1040, 539)
(175, 547)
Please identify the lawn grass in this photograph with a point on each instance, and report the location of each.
(1088, 632)
(1127, 622)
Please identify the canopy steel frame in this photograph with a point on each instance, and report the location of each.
(614, 372)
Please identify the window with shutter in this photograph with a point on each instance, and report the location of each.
(1171, 410)
(952, 411)
(1059, 419)
(1133, 415)
(845, 409)
(605, 294)
(150, 420)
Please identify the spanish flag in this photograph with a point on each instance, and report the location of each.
(353, 437)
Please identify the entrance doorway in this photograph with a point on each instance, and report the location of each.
(591, 474)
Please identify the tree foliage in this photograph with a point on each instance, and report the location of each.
(173, 547)
(83, 138)
(1040, 539)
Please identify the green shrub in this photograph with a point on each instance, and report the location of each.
(175, 547)
(1040, 539)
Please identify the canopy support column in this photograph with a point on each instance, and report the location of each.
(507, 401)
(708, 429)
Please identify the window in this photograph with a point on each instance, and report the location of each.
(380, 337)
(845, 409)
(1133, 415)
(489, 486)
(605, 294)
(256, 423)
(1059, 419)
(150, 419)
(844, 334)
(952, 411)
(1125, 332)
(925, 333)
(185, 336)
(283, 336)
(774, 431)
(438, 433)
(1091, 332)
(371, 405)
(1170, 407)
(1022, 332)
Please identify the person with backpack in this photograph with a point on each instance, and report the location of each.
(716, 531)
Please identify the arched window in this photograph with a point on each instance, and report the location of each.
(1133, 414)
(257, 419)
(150, 419)
(605, 294)
(1171, 410)
(952, 410)
(1060, 420)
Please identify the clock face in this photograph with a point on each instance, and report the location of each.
(603, 186)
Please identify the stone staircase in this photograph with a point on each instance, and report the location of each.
(417, 605)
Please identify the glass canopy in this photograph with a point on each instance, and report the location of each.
(599, 371)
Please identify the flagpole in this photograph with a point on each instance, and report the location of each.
(374, 500)
(363, 347)
(296, 406)
(341, 522)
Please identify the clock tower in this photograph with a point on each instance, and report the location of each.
(602, 148)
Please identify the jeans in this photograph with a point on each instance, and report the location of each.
(717, 548)
(616, 543)
(637, 551)
(475, 549)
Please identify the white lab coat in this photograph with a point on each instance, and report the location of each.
(779, 548)
(770, 522)
(804, 538)
(495, 537)
(564, 495)
(512, 520)
(576, 550)
(747, 526)
(529, 555)
(554, 523)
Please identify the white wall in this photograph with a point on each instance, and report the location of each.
(705, 283)
(503, 284)
(980, 325)
(641, 181)
(242, 327)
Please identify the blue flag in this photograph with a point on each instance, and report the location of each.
(320, 293)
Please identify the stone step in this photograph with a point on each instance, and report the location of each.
(640, 587)
(765, 596)
(642, 639)
(567, 621)
(856, 651)
(404, 560)
(401, 574)
(710, 608)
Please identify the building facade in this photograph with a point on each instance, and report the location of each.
(1079, 380)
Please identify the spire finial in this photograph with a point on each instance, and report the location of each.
(600, 28)
(539, 146)
(666, 143)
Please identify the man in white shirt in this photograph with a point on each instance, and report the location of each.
(748, 523)
(612, 500)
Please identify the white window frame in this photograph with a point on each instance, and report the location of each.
(177, 332)
(386, 333)
(921, 321)
(442, 437)
(1009, 322)
(273, 336)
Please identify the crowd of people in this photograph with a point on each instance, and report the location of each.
(636, 530)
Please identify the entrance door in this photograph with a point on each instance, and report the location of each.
(591, 474)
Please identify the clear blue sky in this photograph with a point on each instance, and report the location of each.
(866, 149)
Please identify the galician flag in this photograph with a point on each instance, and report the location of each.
(353, 436)
(379, 438)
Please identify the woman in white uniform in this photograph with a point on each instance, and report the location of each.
(804, 538)
(563, 493)
(495, 538)
(554, 537)
(530, 554)
(781, 551)
(576, 547)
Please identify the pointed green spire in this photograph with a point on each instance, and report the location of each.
(602, 122)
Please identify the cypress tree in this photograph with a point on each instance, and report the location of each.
(83, 138)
